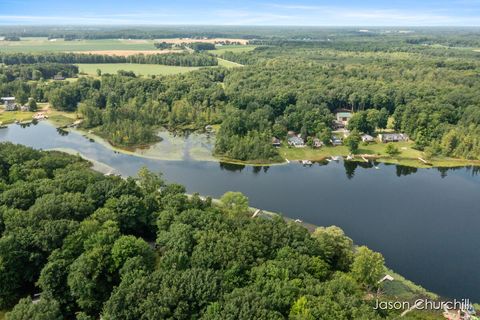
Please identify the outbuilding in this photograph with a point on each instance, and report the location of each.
(392, 137)
(9, 103)
(367, 138)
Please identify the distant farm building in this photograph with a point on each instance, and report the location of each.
(392, 137)
(296, 142)
(367, 138)
(58, 77)
(342, 116)
(9, 103)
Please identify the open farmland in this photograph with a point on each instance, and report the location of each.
(138, 69)
(192, 40)
(43, 45)
(126, 53)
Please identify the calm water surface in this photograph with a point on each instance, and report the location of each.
(425, 222)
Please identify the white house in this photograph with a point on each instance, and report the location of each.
(367, 138)
(9, 103)
(392, 137)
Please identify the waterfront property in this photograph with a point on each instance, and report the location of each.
(329, 184)
(336, 141)
(9, 103)
(367, 138)
(392, 137)
(276, 142)
(296, 142)
(317, 143)
(342, 116)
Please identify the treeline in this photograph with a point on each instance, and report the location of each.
(96, 246)
(432, 99)
(171, 59)
(202, 46)
(36, 71)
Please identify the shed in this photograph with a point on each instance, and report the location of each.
(9, 103)
(367, 138)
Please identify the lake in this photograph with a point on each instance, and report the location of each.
(424, 221)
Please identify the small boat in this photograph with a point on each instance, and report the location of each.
(336, 158)
(350, 157)
(306, 162)
(298, 221)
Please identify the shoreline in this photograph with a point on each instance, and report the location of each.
(321, 157)
(404, 161)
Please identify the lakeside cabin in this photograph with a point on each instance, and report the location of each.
(342, 117)
(9, 103)
(336, 141)
(296, 142)
(317, 143)
(392, 137)
(276, 142)
(367, 138)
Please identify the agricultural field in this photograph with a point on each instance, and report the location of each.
(126, 53)
(138, 69)
(191, 40)
(43, 44)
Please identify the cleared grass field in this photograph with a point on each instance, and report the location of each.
(43, 44)
(228, 64)
(138, 69)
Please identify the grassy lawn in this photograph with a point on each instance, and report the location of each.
(2, 315)
(378, 149)
(139, 69)
(7, 117)
(228, 64)
(59, 118)
(408, 156)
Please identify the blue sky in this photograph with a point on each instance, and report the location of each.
(246, 12)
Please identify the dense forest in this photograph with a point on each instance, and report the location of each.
(430, 91)
(141, 249)
(170, 59)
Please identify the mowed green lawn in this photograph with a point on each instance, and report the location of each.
(405, 148)
(43, 44)
(228, 64)
(138, 69)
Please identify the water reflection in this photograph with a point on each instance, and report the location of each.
(62, 132)
(233, 167)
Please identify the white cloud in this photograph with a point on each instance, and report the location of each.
(293, 14)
